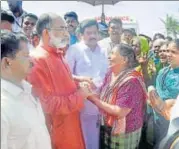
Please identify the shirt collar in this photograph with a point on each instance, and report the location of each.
(50, 49)
(87, 48)
(53, 50)
(14, 89)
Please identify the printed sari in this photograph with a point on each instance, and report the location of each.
(113, 134)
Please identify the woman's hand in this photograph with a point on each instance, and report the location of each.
(162, 107)
(152, 68)
(85, 90)
(153, 98)
(83, 79)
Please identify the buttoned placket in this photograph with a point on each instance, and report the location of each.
(91, 55)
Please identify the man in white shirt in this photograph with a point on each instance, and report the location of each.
(28, 25)
(88, 59)
(115, 32)
(22, 120)
(15, 7)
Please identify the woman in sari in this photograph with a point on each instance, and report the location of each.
(122, 100)
(146, 67)
(168, 78)
(167, 87)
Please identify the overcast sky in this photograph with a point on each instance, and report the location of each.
(147, 13)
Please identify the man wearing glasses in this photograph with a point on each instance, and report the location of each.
(28, 24)
(53, 83)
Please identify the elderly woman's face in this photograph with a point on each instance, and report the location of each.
(115, 59)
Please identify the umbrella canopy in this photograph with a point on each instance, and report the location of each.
(101, 2)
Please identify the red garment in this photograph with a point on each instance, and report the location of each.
(131, 95)
(53, 84)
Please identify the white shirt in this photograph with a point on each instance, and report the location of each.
(174, 118)
(85, 62)
(106, 44)
(16, 26)
(175, 110)
(22, 119)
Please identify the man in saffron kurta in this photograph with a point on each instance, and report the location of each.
(53, 84)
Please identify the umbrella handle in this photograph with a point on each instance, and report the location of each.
(103, 7)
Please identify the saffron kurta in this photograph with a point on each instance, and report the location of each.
(53, 84)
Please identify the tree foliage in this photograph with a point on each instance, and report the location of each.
(171, 25)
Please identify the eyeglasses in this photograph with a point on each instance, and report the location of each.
(29, 23)
(61, 29)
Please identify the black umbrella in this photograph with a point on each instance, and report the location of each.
(100, 2)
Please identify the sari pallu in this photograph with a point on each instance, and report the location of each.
(113, 130)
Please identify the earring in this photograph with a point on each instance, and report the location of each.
(9, 64)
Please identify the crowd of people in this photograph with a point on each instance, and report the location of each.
(64, 85)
